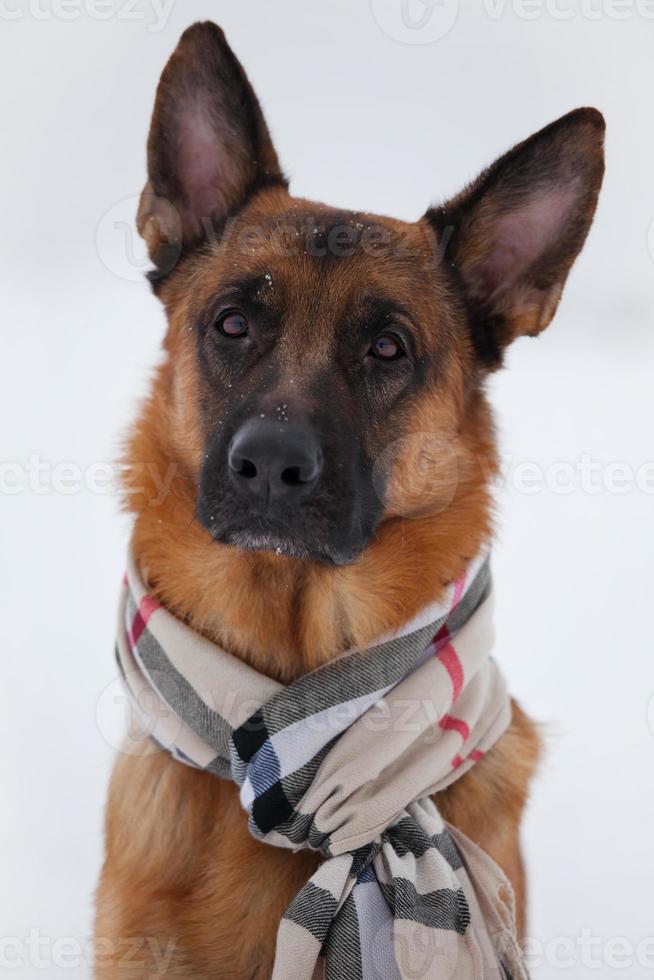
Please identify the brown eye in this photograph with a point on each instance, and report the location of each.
(232, 324)
(387, 347)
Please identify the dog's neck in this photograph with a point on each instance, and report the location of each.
(284, 615)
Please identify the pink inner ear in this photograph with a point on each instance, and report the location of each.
(516, 241)
(203, 161)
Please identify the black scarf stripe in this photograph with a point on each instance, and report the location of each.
(342, 948)
(445, 908)
(313, 908)
(408, 838)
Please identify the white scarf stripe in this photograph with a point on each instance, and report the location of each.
(298, 744)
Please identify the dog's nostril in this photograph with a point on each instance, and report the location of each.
(292, 476)
(245, 468)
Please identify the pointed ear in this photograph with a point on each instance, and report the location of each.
(209, 147)
(512, 236)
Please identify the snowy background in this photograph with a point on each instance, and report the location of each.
(384, 112)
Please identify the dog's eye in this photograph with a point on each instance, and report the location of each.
(387, 347)
(232, 324)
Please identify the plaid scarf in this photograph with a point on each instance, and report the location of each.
(345, 761)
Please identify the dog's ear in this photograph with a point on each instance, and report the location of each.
(512, 236)
(208, 148)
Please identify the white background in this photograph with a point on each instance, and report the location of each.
(361, 119)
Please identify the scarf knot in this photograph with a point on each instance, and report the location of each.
(345, 761)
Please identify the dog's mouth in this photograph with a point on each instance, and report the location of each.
(264, 540)
(270, 537)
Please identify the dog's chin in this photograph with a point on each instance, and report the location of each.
(274, 541)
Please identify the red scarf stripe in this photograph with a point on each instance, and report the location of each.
(147, 607)
(474, 756)
(450, 724)
(450, 660)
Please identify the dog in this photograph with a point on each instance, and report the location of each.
(371, 339)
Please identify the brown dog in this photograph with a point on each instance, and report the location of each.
(373, 338)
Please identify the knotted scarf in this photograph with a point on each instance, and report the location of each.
(344, 761)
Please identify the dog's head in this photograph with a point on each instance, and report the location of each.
(326, 367)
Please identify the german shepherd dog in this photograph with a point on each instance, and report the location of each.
(289, 544)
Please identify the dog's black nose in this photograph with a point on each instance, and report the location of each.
(273, 459)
